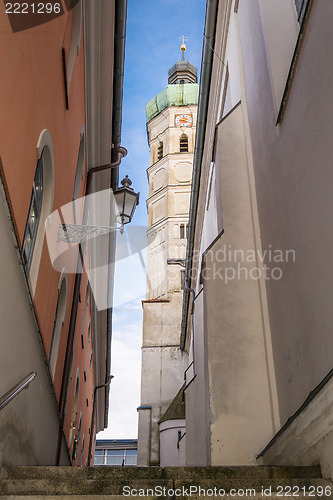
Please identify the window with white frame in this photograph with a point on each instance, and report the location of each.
(115, 457)
(40, 207)
(33, 218)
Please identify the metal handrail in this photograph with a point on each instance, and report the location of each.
(23, 384)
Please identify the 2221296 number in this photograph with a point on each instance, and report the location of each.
(31, 8)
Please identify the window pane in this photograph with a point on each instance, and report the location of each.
(38, 183)
(38, 191)
(99, 452)
(114, 460)
(115, 452)
(33, 218)
(27, 245)
(99, 460)
(33, 215)
(131, 452)
(130, 461)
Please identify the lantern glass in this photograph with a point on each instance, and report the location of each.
(126, 200)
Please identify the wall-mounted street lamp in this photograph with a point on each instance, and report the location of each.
(127, 201)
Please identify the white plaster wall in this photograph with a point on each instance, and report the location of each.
(307, 440)
(144, 437)
(280, 31)
(172, 455)
(29, 423)
(241, 415)
(197, 394)
(294, 178)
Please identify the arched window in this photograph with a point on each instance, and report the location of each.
(33, 218)
(58, 323)
(182, 231)
(160, 151)
(183, 143)
(41, 205)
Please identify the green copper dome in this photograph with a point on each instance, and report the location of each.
(172, 95)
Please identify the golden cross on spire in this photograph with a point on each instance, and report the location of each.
(183, 46)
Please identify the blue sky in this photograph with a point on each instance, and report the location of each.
(154, 28)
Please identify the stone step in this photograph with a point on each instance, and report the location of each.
(77, 487)
(246, 487)
(242, 472)
(132, 472)
(16, 483)
(47, 472)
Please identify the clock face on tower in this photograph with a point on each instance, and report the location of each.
(183, 120)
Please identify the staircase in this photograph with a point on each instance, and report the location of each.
(87, 483)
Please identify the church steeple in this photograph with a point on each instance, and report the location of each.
(183, 71)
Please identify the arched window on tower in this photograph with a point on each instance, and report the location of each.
(183, 143)
(160, 151)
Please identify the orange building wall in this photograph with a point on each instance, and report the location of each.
(32, 98)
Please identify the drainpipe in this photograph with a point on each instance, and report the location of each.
(118, 83)
(205, 81)
(117, 153)
(92, 426)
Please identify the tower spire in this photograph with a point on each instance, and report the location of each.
(183, 71)
(183, 46)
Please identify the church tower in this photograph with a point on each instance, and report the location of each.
(171, 126)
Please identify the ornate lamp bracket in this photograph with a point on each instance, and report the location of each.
(75, 233)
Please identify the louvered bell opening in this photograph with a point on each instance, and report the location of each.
(160, 151)
(183, 143)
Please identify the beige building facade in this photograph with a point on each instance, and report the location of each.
(258, 324)
(171, 126)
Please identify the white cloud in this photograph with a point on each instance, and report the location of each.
(126, 368)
